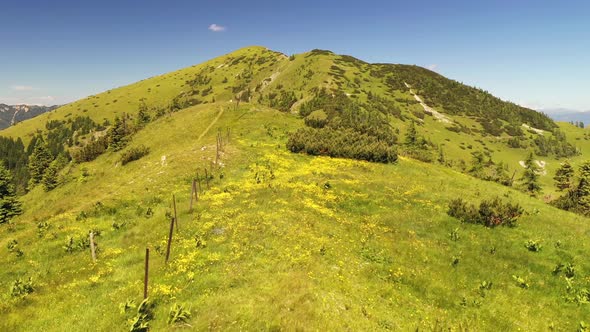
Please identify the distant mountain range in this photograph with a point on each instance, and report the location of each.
(12, 114)
(567, 115)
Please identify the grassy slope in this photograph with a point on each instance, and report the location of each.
(157, 91)
(372, 252)
(456, 146)
(291, 75)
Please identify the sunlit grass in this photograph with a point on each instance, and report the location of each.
(283, 241)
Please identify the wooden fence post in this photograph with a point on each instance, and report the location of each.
(92, 249)
(175, 217)
(169, 239)
(145, 277)
(199, 183)
(194, 194)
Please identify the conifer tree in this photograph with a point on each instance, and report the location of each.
(38, 162)
(117, 134)
(411, 135)
(501, 174)
(583, 189)
(9, 205)
(530, 177)
(143, 116)
(49, 180)
(441, 156)
(563, 176)
(477, 164)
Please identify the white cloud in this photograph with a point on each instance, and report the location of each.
(22, 88)
(34, 100)
(432, 66)
(216, 28)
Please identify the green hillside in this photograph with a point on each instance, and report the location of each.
(290, 241)
(466, 119)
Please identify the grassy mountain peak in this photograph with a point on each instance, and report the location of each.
(403, 211)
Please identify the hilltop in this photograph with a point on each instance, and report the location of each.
(296, 225)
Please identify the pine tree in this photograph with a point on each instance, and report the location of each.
(117, 134)
(563, 176)
(583, 189)
(441, 156)
(477, 164)
(143, 116)
(33, 144)
(9, 205)
(50, 177)
(501, 174)
(38, 162)
(411, 135)
(530, 177)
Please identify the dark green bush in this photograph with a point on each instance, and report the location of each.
(134, 154)
(317, 119)
(491, 213)
(282, 101)
(21, 287)
(344, 143)
(533, 245)
(91, 150)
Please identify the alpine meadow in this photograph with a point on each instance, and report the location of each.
(304, 192)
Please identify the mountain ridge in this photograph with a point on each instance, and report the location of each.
(304, 192)
(426, 77)
(12, 114)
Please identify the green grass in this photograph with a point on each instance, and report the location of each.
(282, 250)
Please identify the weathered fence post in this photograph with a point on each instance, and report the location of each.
(194, 194)
(200, 188)
(169, 239)
(92, 249)
(145, 277)
(175, 217)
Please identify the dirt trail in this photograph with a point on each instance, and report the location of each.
(538, 131)
(439, 116)
(212, 123)
(150, 170)
(266, 82)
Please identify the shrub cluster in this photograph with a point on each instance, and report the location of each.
(340, 127)
(343, 143)
(316, 119)
(22, 287)
(491, 213)
(134, 154)
(92, 150)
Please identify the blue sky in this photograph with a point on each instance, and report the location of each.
(535, 53)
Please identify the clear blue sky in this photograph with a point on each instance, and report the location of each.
(536, 53)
